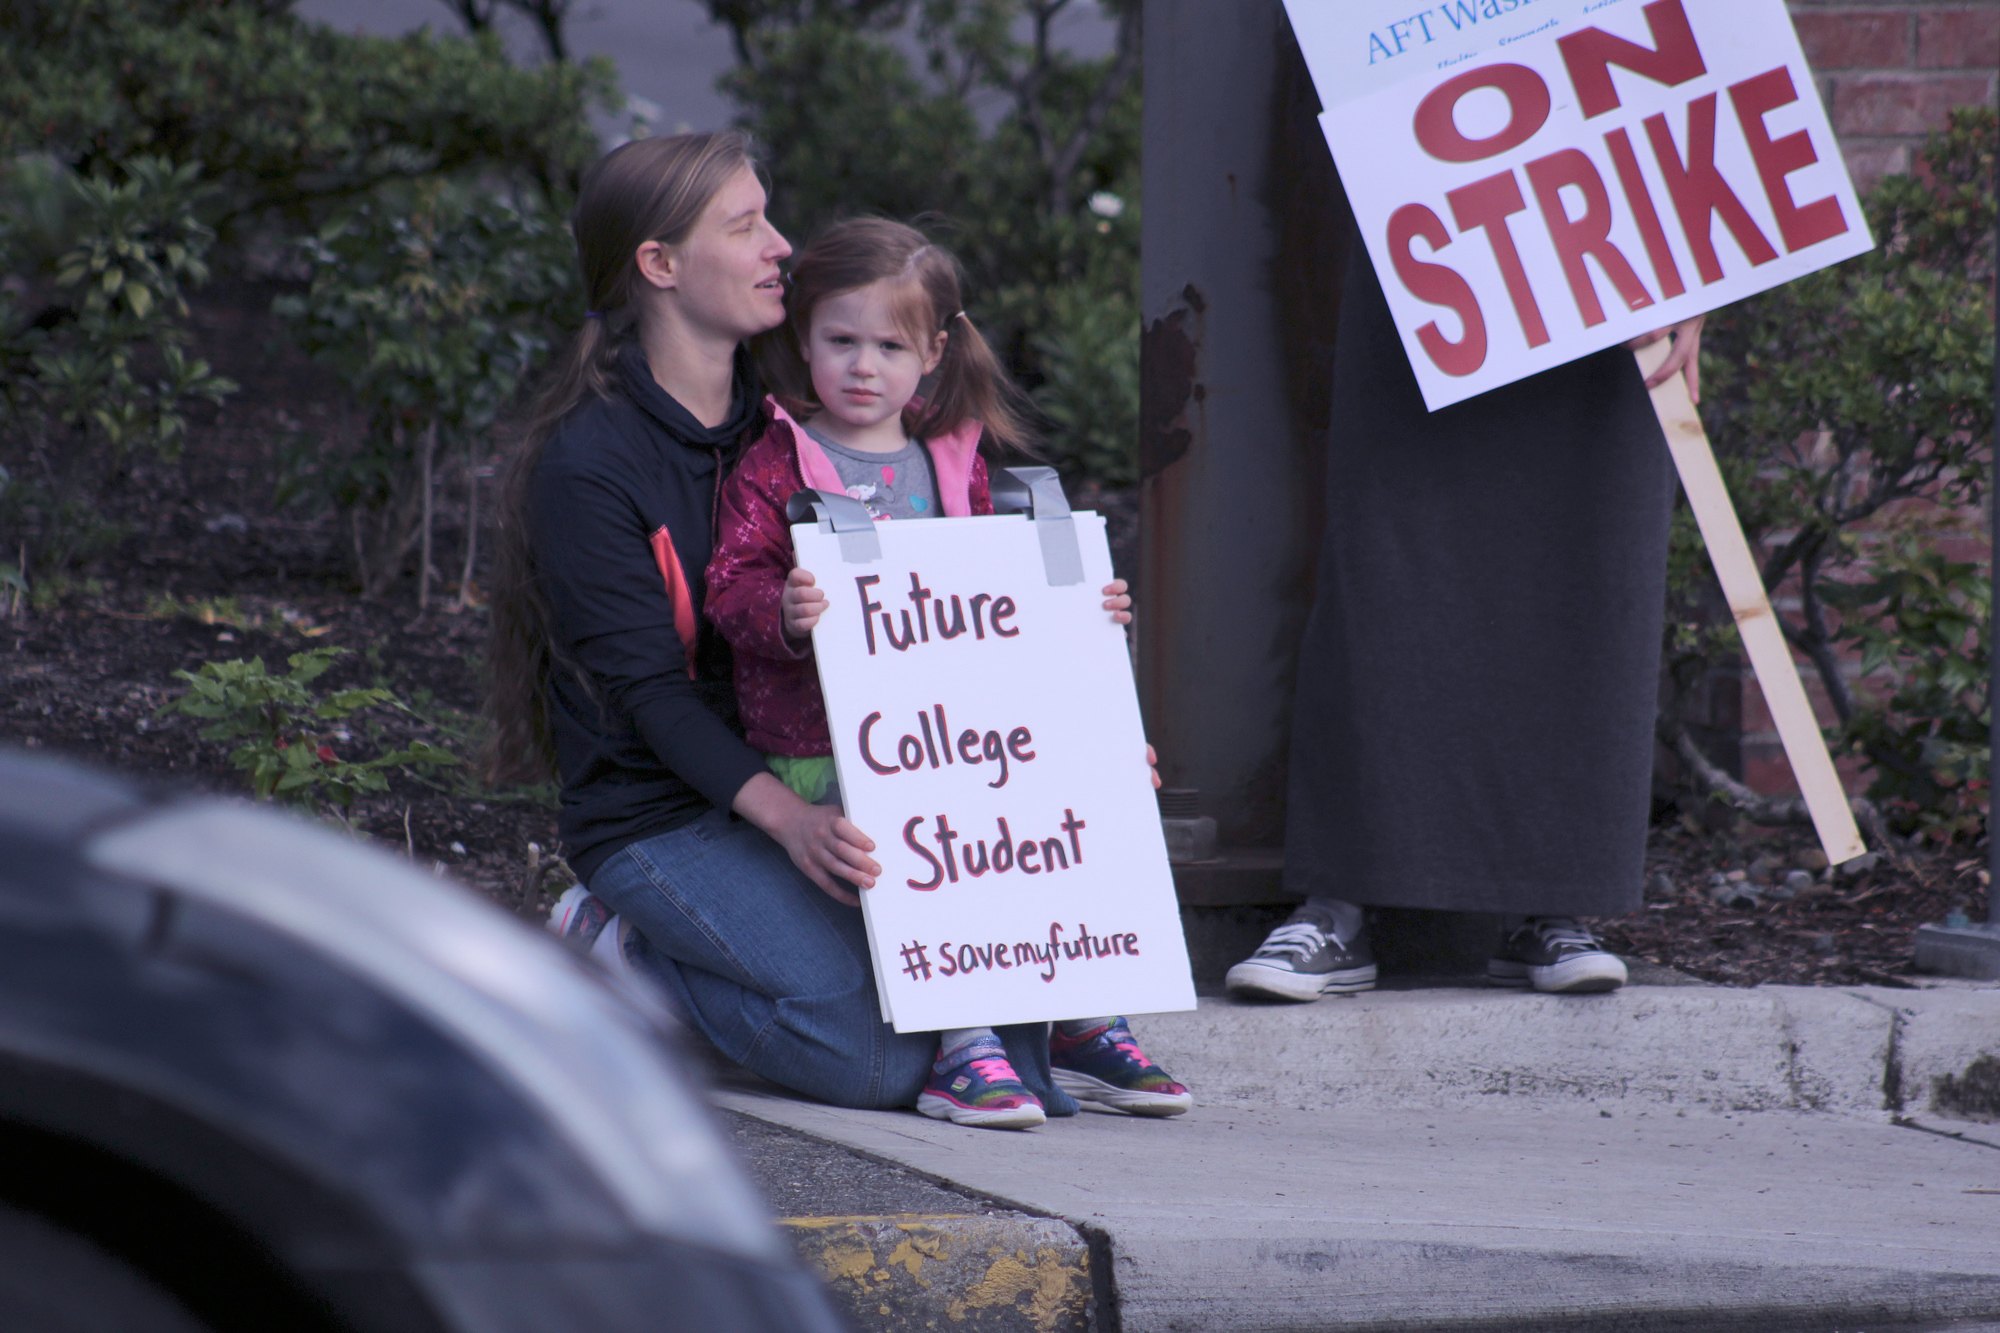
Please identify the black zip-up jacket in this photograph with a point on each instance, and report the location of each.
(622, 521)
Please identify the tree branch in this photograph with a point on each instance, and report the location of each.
(548, 16)
(1814, 640)
(1805, 540)
(476, 15)
(1124, 65)
(1711, 780)
(1028, 98)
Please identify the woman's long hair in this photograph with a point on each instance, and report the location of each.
(969, 384)
(646, 190)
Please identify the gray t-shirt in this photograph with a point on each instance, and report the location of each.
(898, 485)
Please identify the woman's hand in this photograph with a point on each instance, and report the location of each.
(801, 604)
(1683, 359)
(1118, 601)
(825, 847)
(1153, 766)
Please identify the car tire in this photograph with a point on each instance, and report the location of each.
(55, 1281)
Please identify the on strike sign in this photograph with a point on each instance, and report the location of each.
(1538, 179)
(986, 734)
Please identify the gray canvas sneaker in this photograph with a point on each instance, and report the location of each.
(1557, 955)
(1304, 959)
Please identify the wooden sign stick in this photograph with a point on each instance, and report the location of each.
(1763, 640)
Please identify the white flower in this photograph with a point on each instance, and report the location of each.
(1106, 204)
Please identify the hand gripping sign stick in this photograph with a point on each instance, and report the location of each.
(1763, 640)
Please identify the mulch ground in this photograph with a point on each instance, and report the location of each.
(211, 566)
(1719, 908)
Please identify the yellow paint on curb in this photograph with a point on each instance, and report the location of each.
(846, 1263)
(972, 1271)
(1044, 1279)
(915, 1248)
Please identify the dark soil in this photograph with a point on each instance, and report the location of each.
(211, 567)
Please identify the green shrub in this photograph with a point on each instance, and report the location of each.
(104, 374)
(141, 129)
(121, 371)
(289, 739)
(1089, 355)
(1920, 622)
(280, 111)
(1853, 413)
(430, 303)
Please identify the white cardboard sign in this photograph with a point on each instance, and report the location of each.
(1539, 179)
(986, 734)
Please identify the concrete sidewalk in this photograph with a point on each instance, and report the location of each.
(1848, 1050)
(1667, 1157)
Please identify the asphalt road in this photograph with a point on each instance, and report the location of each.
(802, 1176)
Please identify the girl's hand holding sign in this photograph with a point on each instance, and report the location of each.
(802, 604)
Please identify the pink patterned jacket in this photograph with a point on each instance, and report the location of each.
(777, 686)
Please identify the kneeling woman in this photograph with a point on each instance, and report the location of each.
(740, 893)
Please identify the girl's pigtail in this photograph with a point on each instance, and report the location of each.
(970, 383)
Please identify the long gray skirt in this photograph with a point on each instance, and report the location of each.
(1473, 726)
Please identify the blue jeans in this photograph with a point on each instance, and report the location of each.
(774, 973)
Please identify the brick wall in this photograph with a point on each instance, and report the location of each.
(1889, 73)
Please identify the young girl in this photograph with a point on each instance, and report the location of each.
(875, 309)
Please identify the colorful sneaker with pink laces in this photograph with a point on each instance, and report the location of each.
(578, 918)
(1106, 1066)
(979, 1087)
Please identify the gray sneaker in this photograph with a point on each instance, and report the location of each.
(1304, 959)
(1557, 955)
